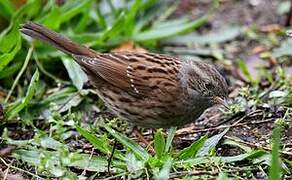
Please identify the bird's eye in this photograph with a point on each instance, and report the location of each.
(209, 85)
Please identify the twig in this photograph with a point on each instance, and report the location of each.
(205, 172)
(111, 158)
(88, 162)
(194, 131)
(251, 114)
(21, 170)
(113, 177)
(256, 146)
(234, 117)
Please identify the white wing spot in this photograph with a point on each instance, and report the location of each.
(125, 56)
(131, 80)
(135, 89)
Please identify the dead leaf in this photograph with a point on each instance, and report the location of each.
(60, 2)
(6, 151)
(258, 49)
(270, 28)
(18, 3)
(234, 93)
(272, 61)
(129, 46)
(12, 176)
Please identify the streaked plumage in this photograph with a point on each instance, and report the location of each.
(149, 90)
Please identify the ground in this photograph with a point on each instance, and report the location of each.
(245, 39)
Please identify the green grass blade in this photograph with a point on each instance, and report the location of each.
(10, 70)
(164, 172)
(6, 9)
(159, 143)
(244, 69)
(275, 167)
(13, 111)
(7, 57)
(164, 31)
(191, 151)
(222, 176)
(116, 28)
(132, 145)
(130, 17)
(99, 143)
(69, 10)
(170, 136)
(76, 74)
(210, 144)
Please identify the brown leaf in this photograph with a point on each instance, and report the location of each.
(6, 151)
(258, 49)
(129, 46)
(270, 28)
(18, 3)
(12, 176)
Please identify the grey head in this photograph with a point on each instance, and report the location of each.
(204, 83)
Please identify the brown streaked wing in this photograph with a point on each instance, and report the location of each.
(137, 73)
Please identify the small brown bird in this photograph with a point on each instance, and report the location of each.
(148, 90)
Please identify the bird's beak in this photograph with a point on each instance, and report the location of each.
(221, 101)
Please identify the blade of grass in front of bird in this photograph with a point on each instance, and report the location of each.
(129, 143)
(210, 144)
(256, 154)
(80, 161)
(99, 143)
(165, 170)
(94, 163)
(191, 151)
(59, 96)
(169, 139)
(159, 143)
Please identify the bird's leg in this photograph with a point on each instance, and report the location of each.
(111, 157)
(141, 138)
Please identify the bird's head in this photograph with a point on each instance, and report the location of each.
(205, 82)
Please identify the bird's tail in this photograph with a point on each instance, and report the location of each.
(40, 32)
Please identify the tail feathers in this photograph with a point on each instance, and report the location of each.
(40, 32)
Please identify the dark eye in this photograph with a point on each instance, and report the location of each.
(209, 86)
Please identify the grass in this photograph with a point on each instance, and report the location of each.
(50, 113)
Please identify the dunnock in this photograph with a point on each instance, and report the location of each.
(148, 90)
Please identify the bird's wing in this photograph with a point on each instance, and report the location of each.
(136, 73)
